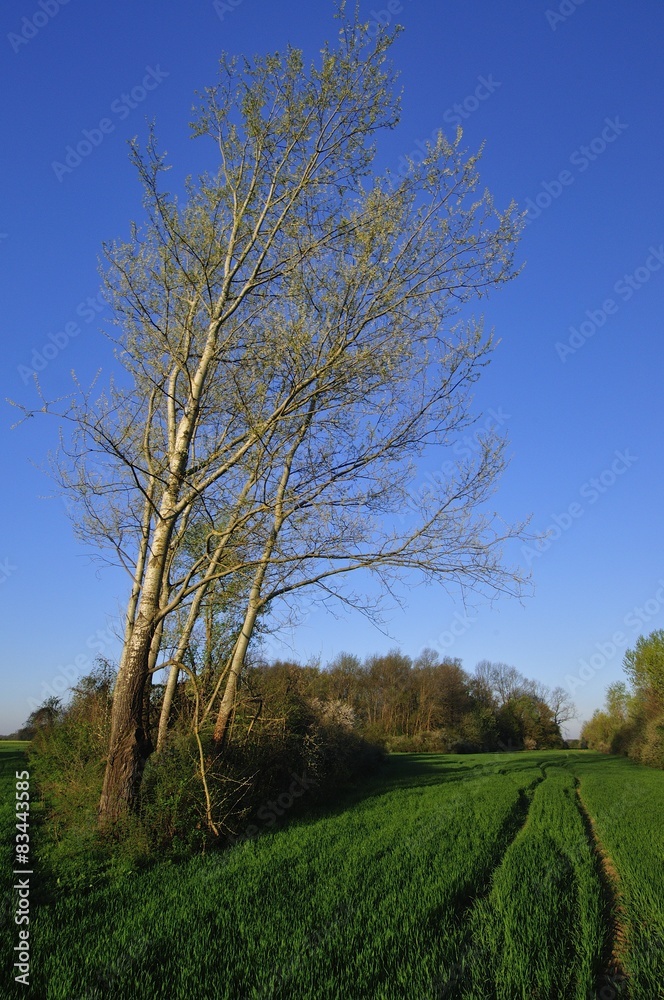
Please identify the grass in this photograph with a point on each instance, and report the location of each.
(626, 803)
(540, 931)
(443, 878)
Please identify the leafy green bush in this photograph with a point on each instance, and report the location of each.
(651, 751)
(68, 754)
(436, 741)
(67, 757)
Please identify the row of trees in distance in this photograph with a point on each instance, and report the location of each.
(421, 703)
(632, 721)
(324, 726)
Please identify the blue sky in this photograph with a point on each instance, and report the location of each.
(568, 99)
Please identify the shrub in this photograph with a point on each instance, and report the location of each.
(309, 740)
(434, 741)
(67, 757)
(651, 751)
(68, 754)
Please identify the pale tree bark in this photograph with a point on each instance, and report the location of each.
(130, 745)
(222, 539)
(255, 603)
(239, 654)
(184, 640)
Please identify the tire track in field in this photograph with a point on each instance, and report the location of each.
(465, 901)
(612, 980)
(512, 827)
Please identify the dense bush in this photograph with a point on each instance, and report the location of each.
(67, 758)
(243, 779)
(632, 722)
(303, 746)
(651, 751)
(435, 741)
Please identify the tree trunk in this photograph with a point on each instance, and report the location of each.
(237, 662)
(174, 672)
(167, 704)
(129, 744)
(155, 646)
(147, 706)
(183, 642)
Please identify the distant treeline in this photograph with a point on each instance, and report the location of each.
(421, 704)
(632, 721)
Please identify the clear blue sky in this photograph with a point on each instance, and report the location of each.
(570, 107)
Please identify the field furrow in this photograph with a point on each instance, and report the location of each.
(539, 932)
(363, 904)
(626, 803)
(448, 983)
(611, 975)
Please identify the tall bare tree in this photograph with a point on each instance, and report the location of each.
(290, 341)
(562, 707)
(500, 683)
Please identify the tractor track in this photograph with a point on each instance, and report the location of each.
(612, 979)
(446, 987)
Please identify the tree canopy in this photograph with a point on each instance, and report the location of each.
(292, 340)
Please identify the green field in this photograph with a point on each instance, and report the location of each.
(515, 876)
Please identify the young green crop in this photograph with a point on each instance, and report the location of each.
(540, 933)
(626, 802)
(443, 878)
(361, 903)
